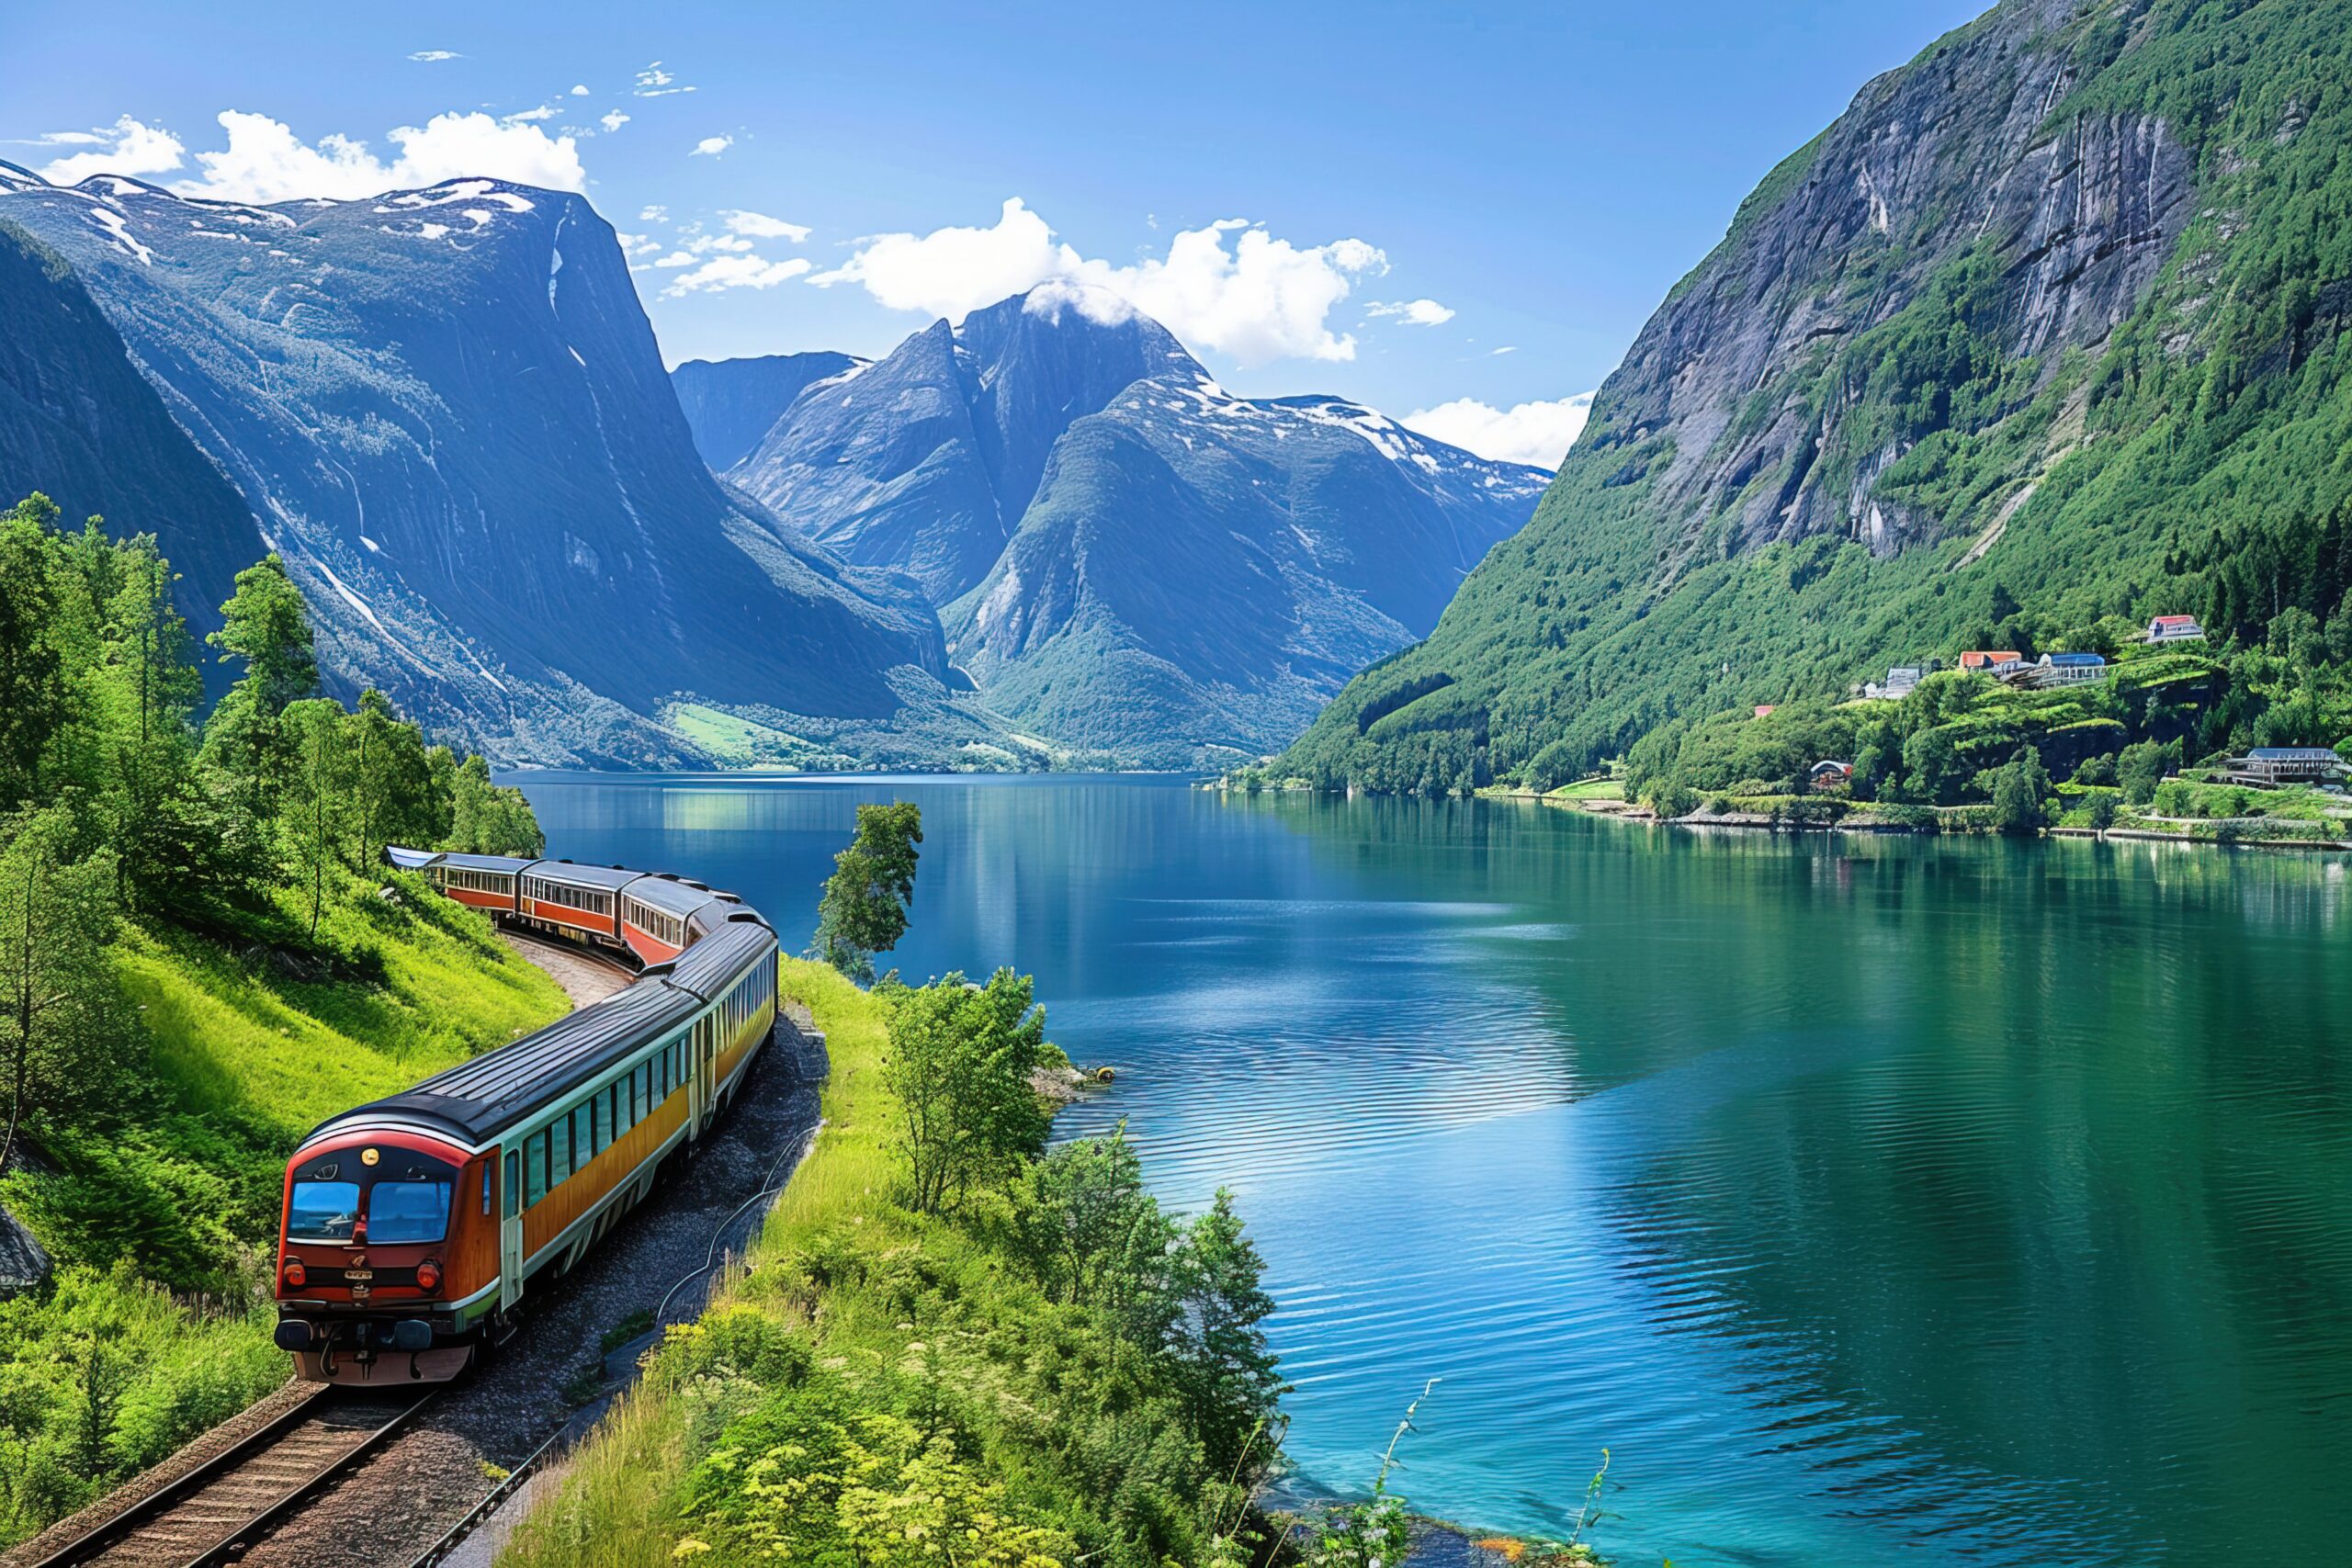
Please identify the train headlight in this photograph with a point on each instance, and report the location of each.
(296, 1275)
(428, 1275)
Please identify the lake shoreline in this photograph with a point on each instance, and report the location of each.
(1758, 822)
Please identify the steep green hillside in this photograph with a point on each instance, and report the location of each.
(2050, 326)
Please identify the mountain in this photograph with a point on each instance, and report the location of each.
(2050, 326)
(79, 423)
(445, 410)
(730, 403)
(1125, 556)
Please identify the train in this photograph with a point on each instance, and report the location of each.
(414, 1227)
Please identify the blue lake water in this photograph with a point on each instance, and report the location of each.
(1933, 1202)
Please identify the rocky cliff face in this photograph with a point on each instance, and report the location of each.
(1956, 154)
(1996, 354)
(1126, 556)
(444, 408)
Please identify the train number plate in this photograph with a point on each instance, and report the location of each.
(358, 1276)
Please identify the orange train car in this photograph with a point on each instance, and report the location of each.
(414, 1226)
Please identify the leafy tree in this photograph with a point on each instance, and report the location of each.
(1087, 1230)
(2103, 811)
(960, 1062)
(2142, 767)
(61, 1027)
(487, 819)
(264, 623)
(863, 911)
(32, 674)
(317, 798)
(2021, 792)
(1225, 1371)
(393, 782)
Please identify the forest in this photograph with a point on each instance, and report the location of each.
(201, 954)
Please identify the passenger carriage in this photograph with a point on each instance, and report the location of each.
(574, 900)
(414, 1227)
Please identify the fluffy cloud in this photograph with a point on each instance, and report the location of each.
(126, 147)
(1256, 297)
(732, 271)
(264, 161)
(711, 146)
(434, 56)
(613, 120)
(760, 226)
(1413, 312)
(1537, 432)
(580, 90)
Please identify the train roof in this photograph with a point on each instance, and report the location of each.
(410, 860)
(507, 864)
(476, 1101)
(563, 871)
(671, 895)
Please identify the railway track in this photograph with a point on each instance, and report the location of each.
(212, 1514)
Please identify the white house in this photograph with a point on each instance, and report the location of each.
(2176, 629)
(1901, 679)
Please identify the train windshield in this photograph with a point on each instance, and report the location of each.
(413, 1211)
(323, 1210)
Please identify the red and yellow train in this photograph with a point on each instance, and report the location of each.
(413, 1226)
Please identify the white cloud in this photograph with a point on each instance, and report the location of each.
(653, 214)
(1537, 432)
(636, 245)
(434, 56)
(760, 226)
(711, 146)
(1413, 312)
(1506, 348)
(677, 258)
(579, 91)
(264, 161)
(1259, 299)
(733, 272)
(614, 119)
(128, 147)
(655, 83)
(525, 116)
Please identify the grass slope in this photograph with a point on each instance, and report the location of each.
(161, 1222)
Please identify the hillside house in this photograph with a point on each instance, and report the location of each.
(1901, 680)
(1994, 664)
(2270, 767)
(2056, 670)
(1826, 775)
(2176, 629)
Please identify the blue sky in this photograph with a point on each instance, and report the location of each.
(1423, 187)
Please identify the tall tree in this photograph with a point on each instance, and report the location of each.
(1224, 1367)
(863, 911)
(32, 675)
(318, 796)
(263, 623)
(62, 1030)
(961, 1057)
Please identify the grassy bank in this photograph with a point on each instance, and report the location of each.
(886, 1387)
(159, 1216)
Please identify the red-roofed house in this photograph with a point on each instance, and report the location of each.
(1991, 663)
(1764, 710)
(2176, 629)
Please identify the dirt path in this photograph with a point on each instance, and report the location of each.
(584, 976)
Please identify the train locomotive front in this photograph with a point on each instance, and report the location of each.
(387, 1263)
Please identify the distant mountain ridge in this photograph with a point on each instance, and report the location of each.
(465, 446)
(2051, 325)
(730, 404)
(1125, 556)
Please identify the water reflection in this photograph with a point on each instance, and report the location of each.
(1955, 1202)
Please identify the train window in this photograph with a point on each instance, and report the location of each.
(514, 1180)
(485, 1189)
(612, 1117)
(408, 1212)
(558, 1153)
(323, 1210)
(535, 1171)
(600, 1127)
